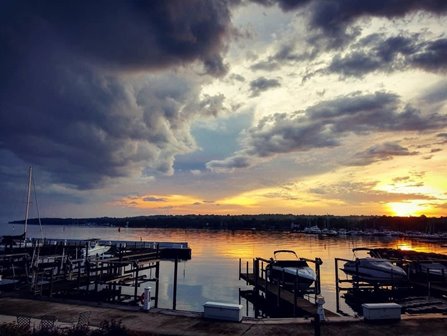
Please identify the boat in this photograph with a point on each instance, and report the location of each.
(430, 270)
(94, 248)
(374, 270)
(21, 239)
(290, 272)
(312, 230)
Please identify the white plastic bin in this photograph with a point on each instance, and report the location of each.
(381, 311)
(222, 311)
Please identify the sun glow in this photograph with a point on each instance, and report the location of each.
(406, 209)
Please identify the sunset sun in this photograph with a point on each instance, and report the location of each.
(406, 209)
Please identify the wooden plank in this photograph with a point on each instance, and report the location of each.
(285, 294)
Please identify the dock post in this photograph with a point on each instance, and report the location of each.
(174, 299)
(256, 275)
(157, 282)
(317, 327)
(337, 287)
(247, 273)
(295, 296)
(240, 268)
(96, 275)
(318, 262)
(135, 290)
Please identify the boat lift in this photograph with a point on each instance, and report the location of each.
(267, 294)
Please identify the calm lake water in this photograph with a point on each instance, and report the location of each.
(212, 273)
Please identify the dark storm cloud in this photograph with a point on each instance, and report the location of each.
(262, 84)
(325, 124)
(69, 100)
(375, 53)
(123, 34)
(334, 18)
(334, 15)
(380, 152)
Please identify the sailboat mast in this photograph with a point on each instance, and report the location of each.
(28, 199)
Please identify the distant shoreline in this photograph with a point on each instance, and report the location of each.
(256, 222)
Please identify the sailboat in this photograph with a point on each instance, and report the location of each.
(10, 240)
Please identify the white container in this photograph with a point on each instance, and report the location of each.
(381, 311)
(222, 311)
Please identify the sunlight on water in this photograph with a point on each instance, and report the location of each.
(212, 274)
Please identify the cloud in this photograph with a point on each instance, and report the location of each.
(231, 163)
(436, 93)
(129, 34)
(285, 54)
(262, 84)
(442, 137)
(362, 192)
(380, 152)
(153, 199)
(93, 91)
(333, 20)
(324, 124)
(283, 4)
(376, 53)
(333, 16)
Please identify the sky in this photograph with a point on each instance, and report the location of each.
(314, 107)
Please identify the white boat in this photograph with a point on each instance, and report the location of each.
(312, 230)
(374, 270)
(290, 272)
(94, 248)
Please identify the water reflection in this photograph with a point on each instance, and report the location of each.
(212, 273)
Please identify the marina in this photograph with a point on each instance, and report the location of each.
(211, 274)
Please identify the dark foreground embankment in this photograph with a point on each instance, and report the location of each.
(167, 322)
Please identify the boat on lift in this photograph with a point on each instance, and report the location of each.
(429, 270)
(290, 272)
(374, 270)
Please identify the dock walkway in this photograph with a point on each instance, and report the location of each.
(168, 322)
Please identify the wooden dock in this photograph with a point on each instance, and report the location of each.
(63, 268)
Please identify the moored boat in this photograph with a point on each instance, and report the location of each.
(291, 273)
(374, 270)
(94, 248)
(430, 270)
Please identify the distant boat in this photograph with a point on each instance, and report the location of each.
(312, 230)
(94, 248)
(290, 272)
